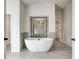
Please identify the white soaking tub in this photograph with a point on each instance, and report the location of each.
(38, 44)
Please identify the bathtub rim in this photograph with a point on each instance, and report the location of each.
(38, 38)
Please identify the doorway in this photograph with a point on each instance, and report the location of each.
(7, 31)
(58, 23)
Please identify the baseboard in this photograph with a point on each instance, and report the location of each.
(15, 50)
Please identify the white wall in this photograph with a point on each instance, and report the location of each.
(73, 18)
(22, 23)
(67, 24)
(22, 17)
(2, 53)
(27, 22)
(41, 10)
(73, 27)
(13, 8)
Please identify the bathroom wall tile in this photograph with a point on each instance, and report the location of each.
(23, 36)
(51, 35)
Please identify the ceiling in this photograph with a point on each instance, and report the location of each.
(60, 3)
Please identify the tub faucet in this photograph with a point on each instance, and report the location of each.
(38, 39)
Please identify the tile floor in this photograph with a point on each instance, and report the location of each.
(58, 51)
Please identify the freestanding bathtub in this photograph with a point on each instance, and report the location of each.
(38, 44)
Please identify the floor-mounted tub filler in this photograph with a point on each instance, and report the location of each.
(38, 44)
